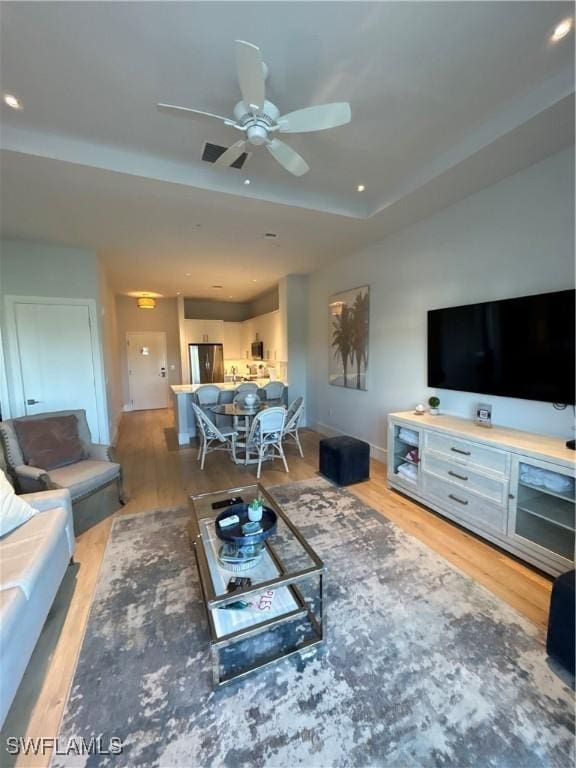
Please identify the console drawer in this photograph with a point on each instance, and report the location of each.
(467, 453)
(491, 488)
(464, 505)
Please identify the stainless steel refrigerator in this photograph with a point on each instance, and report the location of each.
(206, 363)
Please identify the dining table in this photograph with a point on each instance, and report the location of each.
(243, 411)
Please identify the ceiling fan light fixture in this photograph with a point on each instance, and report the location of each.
(561, 30)
(360, 188)
(146, 302)
(259, 119)
(12, 101)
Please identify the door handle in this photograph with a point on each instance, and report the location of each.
(32, 401)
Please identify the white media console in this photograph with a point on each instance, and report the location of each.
(513, 488)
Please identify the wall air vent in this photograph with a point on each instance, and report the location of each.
(212, 152)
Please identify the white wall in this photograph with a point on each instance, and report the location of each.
(293, 303)
(111, 354)
(38, 269)
(512, 239)
(163, 318)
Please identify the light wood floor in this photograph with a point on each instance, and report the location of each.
(161, 475)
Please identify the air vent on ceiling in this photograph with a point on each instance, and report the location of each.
(212, 152)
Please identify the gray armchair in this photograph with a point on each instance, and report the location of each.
(82, 478)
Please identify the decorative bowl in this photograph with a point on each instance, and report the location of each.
(240, 551)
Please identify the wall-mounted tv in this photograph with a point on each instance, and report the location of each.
(520, 347)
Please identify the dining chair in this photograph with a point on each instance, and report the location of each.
(207, 396)
(274, 390)
(212, 438)
(292, 424)
(245, 387)
(265, 437)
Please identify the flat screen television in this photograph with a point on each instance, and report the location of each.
(520, 347)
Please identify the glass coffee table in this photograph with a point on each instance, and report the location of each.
(279, 614)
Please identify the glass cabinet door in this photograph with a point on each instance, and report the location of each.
(543, 508)
(405, 451)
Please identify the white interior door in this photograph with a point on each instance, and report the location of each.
(147, 372)
(55, 356)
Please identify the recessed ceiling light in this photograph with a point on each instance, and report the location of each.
(246, 181)
(229, 297)
(360, 188)
(188, 274)
(177, 293)
(254, 281)
(12, 101)
(562, 30)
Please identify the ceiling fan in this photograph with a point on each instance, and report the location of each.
(259, 119)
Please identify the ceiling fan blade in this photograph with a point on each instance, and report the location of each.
(288, 157)
(186, 111)
(231, 155)
(250, 74)
(316, 118)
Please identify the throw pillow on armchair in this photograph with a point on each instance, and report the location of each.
(50, 443)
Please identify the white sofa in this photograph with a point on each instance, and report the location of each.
(33, 561)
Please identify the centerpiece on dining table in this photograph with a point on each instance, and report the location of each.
(251, 400)
(243, 529)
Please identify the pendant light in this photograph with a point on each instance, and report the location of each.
(146, 302)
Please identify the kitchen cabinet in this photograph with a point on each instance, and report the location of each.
(247, 337)
(273, 338)
(233, 349)
(237, 338)
(204, 331)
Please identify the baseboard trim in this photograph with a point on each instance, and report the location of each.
(376, 451)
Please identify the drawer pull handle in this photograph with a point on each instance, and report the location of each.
(455, 498)
(459, 450)
(455, 474)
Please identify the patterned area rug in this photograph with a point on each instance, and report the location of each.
(423, 667)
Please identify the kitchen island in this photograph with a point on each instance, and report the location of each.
(184, 415)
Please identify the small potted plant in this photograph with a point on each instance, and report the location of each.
(255, 510)
(434, 402)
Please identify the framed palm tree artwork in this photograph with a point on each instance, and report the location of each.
(349, 322)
